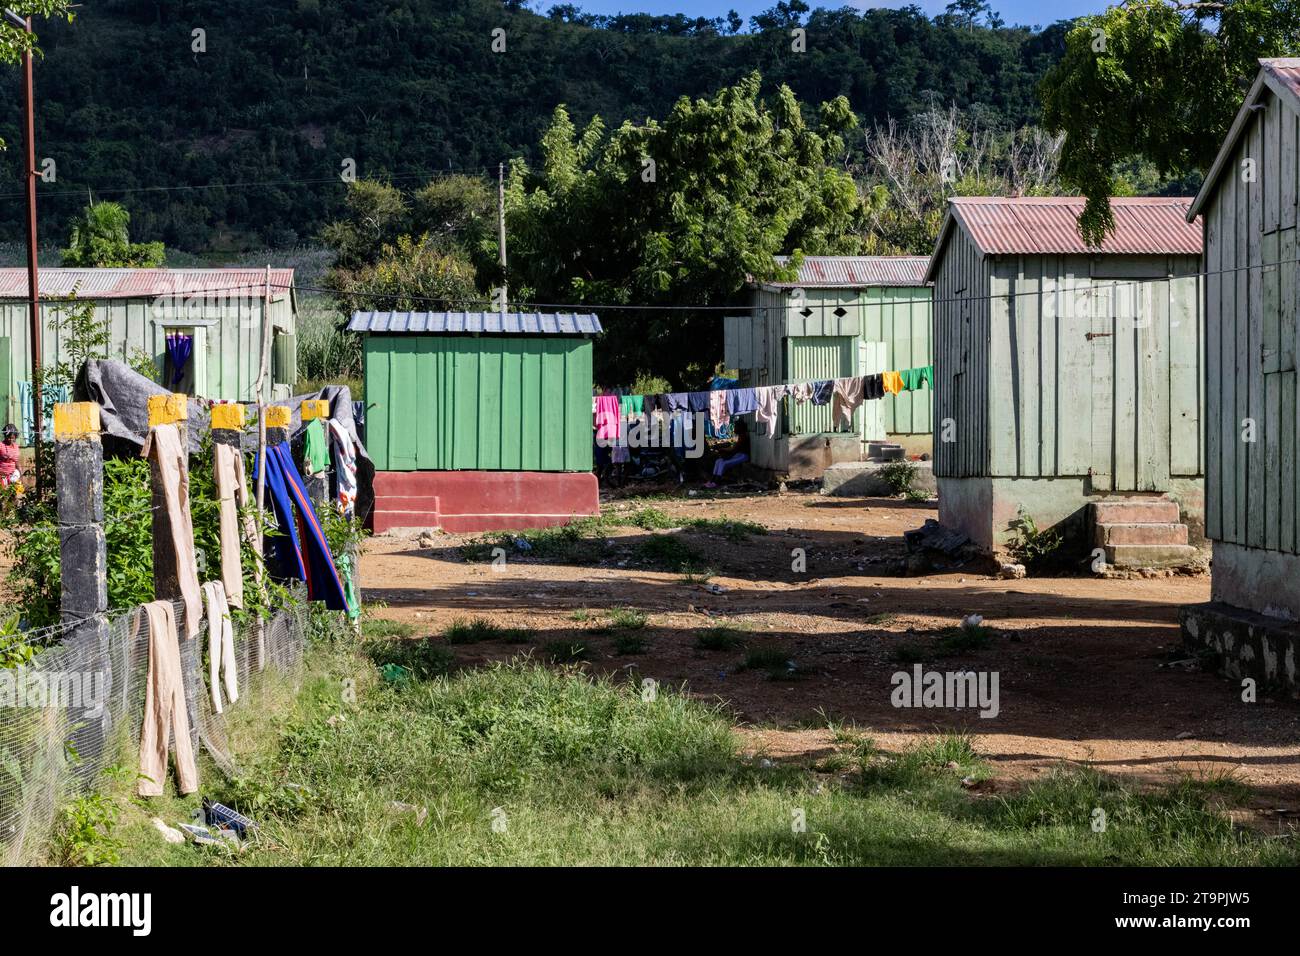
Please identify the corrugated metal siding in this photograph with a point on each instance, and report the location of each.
(857, 271)
(1252, 336)
(228, 345)
(509, 323)
(502, 403)
(813, 358)
(1049, 226)
(744, 339)
(901, 319)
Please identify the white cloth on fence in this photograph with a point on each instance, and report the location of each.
(165, 715)
(221, 646)
(345, 466)
(173, 474)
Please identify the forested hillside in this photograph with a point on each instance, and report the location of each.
(286, 90)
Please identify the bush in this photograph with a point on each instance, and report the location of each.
(899, 475)
(1033, 548)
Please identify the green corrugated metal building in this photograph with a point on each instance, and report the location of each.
(478, 391)
(221, 310)
(842, 316)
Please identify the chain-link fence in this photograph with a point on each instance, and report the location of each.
(78, 705)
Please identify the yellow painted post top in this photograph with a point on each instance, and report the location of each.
(74, 420)
(229, 416)
(315, 408)
(278, 416)
(168, 409)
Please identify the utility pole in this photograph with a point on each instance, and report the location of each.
(501, 233)
(33, 278)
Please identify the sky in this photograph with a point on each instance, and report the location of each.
(1031, 12)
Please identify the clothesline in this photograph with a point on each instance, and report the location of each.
(722, 404)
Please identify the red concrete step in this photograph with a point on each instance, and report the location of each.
(1153, 533)
(1135, 511)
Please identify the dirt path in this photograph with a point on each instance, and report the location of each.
(1083, 664)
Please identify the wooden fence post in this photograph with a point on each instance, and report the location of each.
(83, 560)
(173, 409)
(228, 430)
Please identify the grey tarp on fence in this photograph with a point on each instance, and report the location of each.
(122, 395)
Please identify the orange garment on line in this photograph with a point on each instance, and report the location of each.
(164, 708)
(892, 382)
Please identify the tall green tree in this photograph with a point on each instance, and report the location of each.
(1155, 81)
(679, 213)
(100, 238)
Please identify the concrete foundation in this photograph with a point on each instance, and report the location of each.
(801, 457)
(861, 479)
(1243, 643)
(1266, 582)
(985, 508)
(470, 501)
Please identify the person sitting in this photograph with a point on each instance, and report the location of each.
(9, 457)
(739, 455)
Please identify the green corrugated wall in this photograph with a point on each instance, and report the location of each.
(490, 403)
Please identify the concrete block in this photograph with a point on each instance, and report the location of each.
(1243, 643)
(229, 416)
(1135, 511)
(861, 479)
(1150, 555)
(1163, 533)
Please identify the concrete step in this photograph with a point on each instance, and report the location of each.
(1149, 555)
(1155, 533)
(1135, 511)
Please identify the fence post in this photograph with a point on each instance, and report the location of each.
(173, 409)
(318, 484)
(228, 430)
(83, 560)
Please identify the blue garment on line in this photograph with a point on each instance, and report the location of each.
(676, 401)
(821, 392)
(697, 401)
(308, 560)
(742, 401)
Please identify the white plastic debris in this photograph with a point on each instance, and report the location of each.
(170, 834)
(1012, 571)
(972, 621)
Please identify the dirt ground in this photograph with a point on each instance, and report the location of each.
(1090, 670)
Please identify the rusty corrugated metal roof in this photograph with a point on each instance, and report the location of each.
(144, 283)
(1048, 225)
(856, 271)
(510, 323)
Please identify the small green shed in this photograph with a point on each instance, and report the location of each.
(478, 391)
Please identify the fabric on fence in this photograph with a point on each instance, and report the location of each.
(164, 447)
(301, 547)
(232, 494)
(315, 454)
(164, 708)
(345, 467)
(221, 646)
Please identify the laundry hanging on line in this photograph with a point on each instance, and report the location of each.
(844, 394)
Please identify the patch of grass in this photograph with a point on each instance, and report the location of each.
(424, 658)
(734, 531)
(720, 637)
(666, 552)
(578, 541)
(955, 641)
(879, 620)
(777, 662)
(630, 642)
(588, 772)
(694, 576)
(626, 619)
(382, 627)
(566, 651)
(474, 630)
(582, 615)
(648, 519)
